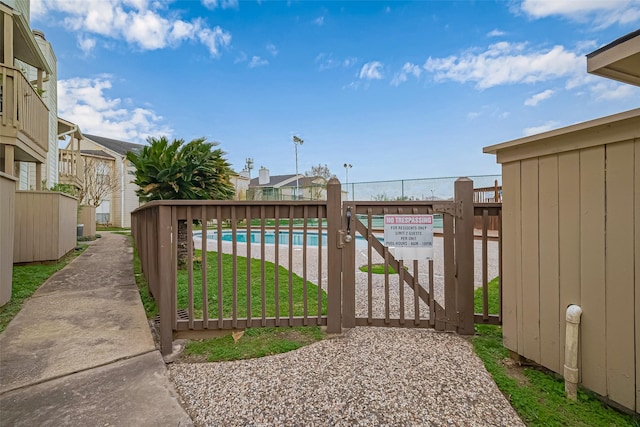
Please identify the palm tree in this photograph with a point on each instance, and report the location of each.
(178, 171)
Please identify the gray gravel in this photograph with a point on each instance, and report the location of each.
(368, 376)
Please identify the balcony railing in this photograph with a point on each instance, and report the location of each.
(21, 108)
(70, 167)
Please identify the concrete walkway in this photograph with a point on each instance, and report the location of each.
(80, 351)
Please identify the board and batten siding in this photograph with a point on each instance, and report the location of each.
(571, 235)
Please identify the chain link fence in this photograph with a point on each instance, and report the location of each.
(413, 189)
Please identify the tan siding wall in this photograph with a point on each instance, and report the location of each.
(45, 226)
(571, 236)
(87, 217)
(7, 212)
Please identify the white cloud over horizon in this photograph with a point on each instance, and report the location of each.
(602, 13)
(223, 4)
(84, 101)
(538, 97)
(140, 23)
(371, 71)
(506, 63)
(551, 124)
(407, 69)
(256, 61)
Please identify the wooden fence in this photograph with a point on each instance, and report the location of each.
(239, 279)
(7, 214)
(45, 226)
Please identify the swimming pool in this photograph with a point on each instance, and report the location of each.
(256, 236)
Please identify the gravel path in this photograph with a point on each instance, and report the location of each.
(367, 377)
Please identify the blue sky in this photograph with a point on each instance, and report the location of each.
(399, 90)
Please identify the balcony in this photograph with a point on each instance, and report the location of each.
(24, 118)
(70, 168)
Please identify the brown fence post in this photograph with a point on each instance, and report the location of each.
(165, 279)
(334, 258)
(464, 220)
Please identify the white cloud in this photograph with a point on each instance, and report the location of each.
(496, 33)
(319, 21)
(138, 22)
(272, 49)
(240, 58)
(602, 13)
(84, 101)
(407, 69)
(540, 129)
(256, 61)
(371, 71)
(611, 91)
(506, 63)
(224, 4)
(86, 44)
(326, 61)
(538, 97)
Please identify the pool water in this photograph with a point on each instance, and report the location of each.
(269, 237)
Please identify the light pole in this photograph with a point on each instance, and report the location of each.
(347, 166)
(297, 141)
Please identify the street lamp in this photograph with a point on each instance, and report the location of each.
(297, 141)
(347, 166)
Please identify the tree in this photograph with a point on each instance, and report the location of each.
(320, 170)
(101, 179)
(178, 171)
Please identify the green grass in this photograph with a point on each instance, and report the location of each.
(26, 280)
(256, 342)
(149, 304)
(538, 396)
(297, 287)
(378, 269)
(99, 228)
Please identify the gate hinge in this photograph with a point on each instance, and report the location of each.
(452, 208)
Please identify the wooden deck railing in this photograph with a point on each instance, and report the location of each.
(70, 167)
(22, 109)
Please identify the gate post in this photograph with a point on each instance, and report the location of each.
(334, 258)
(464, 254)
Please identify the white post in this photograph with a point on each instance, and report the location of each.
(571, 373)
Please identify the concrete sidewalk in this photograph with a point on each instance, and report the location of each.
(80, 351)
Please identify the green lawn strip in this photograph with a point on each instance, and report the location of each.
(241, 287)
(26, 280)
(150, 306)
(112, 229)
(256, 342)
(378, 269)
(538, 396)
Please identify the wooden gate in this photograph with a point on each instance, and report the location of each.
(436, 293)
(246, 283)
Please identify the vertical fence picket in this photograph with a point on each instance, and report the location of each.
(485, 268)
(174, 266)
(290, 265)
(203, 270)
(248, 261)
(416, 299)
(219, 259)
(432, 297)
(190, 265)
(263, 294)
(304, 265)
(277, 264)
(370, 236)
(320, 216)
(234, 267)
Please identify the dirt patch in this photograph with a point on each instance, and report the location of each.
(515, 370)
